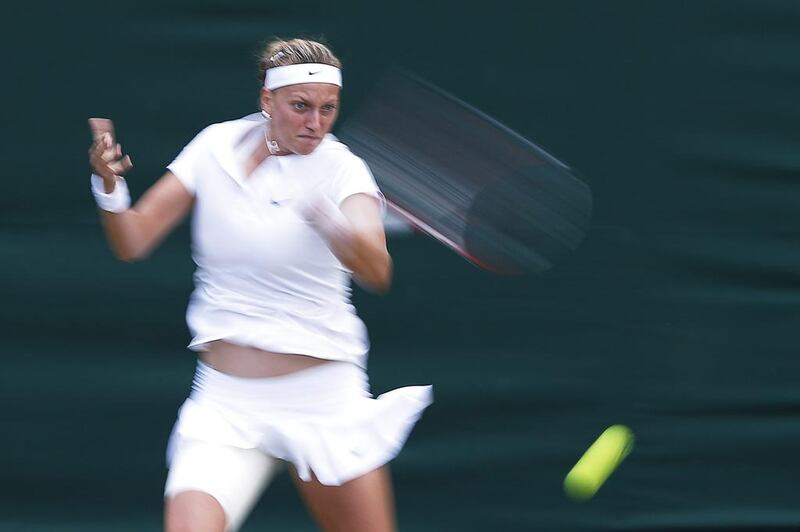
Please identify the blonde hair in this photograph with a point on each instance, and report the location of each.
(279, 52)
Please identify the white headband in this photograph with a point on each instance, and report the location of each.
(282, 76)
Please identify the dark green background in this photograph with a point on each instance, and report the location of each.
(678, 316)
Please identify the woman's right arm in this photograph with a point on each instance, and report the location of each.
(133, 233)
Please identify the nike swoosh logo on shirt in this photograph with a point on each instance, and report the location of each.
(280, 202)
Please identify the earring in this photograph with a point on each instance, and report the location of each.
(266, 114)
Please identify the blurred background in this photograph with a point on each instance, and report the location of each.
(678, 316)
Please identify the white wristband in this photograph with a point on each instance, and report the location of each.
(119, 200)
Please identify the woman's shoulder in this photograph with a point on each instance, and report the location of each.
(346, 167)
(335, 152)
(231, 128)
(331, 143)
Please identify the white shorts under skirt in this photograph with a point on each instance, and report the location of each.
(323, 420)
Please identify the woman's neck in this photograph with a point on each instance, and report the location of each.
(257, 156)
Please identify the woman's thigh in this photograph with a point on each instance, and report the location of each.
(208, 481)
(364, 504)
(193, 511)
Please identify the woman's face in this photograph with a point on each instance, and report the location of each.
(301, 114)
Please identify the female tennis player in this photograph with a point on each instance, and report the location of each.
(283, 216)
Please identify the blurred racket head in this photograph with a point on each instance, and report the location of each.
(496, 198)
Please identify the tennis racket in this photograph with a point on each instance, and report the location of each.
(99, 126)
(468, 181)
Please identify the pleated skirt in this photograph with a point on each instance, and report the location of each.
(323, 420)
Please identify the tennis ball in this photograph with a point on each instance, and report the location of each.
(598, 462)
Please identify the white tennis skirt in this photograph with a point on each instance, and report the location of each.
(322, 419)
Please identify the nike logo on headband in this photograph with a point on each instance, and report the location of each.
(312, 73)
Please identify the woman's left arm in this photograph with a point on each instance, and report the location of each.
(354, 232)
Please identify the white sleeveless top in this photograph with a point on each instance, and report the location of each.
(264, 277)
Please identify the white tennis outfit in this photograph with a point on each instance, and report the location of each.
(266, 279)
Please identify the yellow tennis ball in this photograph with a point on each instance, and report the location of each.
(598, 462)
